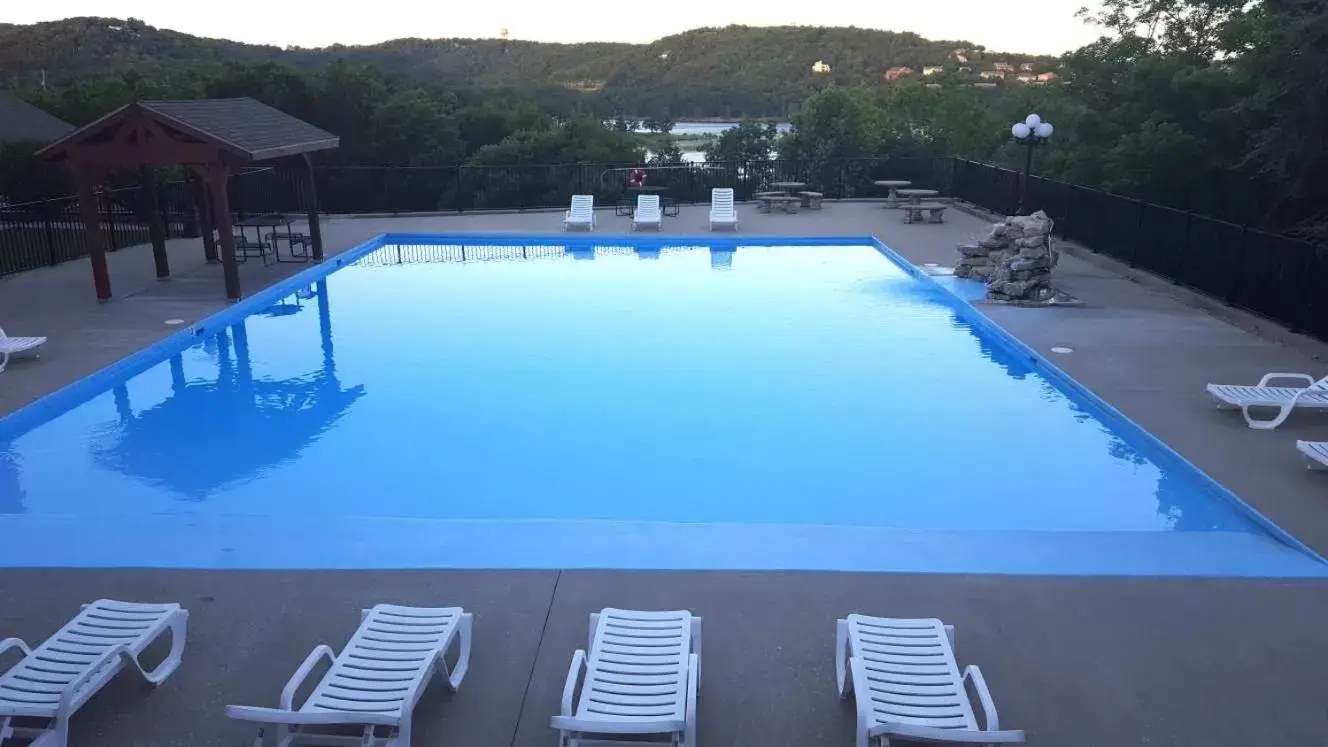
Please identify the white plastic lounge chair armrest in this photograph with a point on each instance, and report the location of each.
(990, 720)
(17, 643)
(589, 726)
(574, 673)
(1267, 378)
(297, 679)
(946, 736)
(261, 715)
(94, 669)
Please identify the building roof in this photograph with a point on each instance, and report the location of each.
(243, 127)
(21, 121)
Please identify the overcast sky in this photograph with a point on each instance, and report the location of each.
(1047, 27)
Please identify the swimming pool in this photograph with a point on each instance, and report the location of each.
(498, 401)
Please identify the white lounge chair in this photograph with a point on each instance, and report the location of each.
(1314, 395)
(640, 681)
(647, 212)
(55, 679)
(582, 213)
(15, 345)
(908, 685)
(374, 682)
(1316, 453)
(722, 212)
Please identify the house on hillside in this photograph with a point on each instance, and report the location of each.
(1025, 77)
(932, 70)
(23, 122)
(1026, 67)
(960, 55)
(967, 69)
(992, 75)
(1047, 77)
(984, 85)
(895, 73)
(1004, 67)
(820, 67)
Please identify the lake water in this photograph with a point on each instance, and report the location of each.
(715, 128)
(693, 155)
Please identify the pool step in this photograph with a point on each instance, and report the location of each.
(231, 541)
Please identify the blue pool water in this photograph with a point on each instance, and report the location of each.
(497, 405)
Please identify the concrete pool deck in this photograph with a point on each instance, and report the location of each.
(1079, 661)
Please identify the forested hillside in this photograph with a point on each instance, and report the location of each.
(722, 72)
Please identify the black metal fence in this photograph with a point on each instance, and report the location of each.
(384, 189)
(40, 234)
(1276, 276)
(46, 233)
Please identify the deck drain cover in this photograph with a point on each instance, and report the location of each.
(174, 322)
(1062, 350)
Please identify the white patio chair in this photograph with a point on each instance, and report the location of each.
(722, 212)
(640, 682)
(1314, 395)
(647, 212)
(16, 345)
(374, 682)
(908, 685)
(1315, 452)
(55, 679)
(581, 214)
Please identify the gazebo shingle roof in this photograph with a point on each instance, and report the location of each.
(21, 121)
(244, 127)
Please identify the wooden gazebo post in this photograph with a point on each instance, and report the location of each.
(84, 180)
(310, 194)
(203, 206)
(217, 176)
(156, 230)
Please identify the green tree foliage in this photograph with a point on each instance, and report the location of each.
(580, 140)
(726, 72)
(749, 141)
(1215, 105)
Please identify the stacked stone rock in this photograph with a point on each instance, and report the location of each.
(1015, 259)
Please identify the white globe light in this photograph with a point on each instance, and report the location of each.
(1032, 120)
(1020, 130)
(1044, 130)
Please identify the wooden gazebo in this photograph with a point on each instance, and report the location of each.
(214, 138)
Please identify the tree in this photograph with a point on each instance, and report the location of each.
(666, 153)
(411, 128)
(662, 124)
(749, 141)
(577, 141)
(836, 123)
(1192, 28)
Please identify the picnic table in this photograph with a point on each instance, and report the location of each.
(892, 199)
(271, 221)
(915, 195)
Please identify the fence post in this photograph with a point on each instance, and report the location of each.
(1138, 233)
(1184, 249)
(1235, 271)
(49, 230)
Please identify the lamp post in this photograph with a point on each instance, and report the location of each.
(1029, 133)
